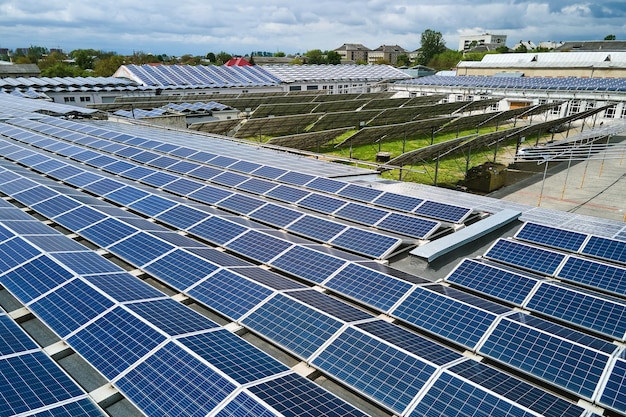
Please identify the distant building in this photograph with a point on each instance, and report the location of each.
(237, 61)
(19, 70)
(472, 41)
(387, 53)
(590, 46)
(353, 52)
(527, 45)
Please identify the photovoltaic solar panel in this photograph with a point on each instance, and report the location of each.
(295, 178)
(180, 269)
(523, 393)
(209, 194)
(442, 211)
(123, 287)
(368, 286)
(398, 201)
(218, 257)
(275, 215)
(366, 243)
(79, 407)
(13, 339)
(79, 218)
(411, 342)
(35, 195)
(217, 230)
(171, 317)
(445, 316)
(380, 371)
(529, 257)
(408, 225)
(295, 326)
(614, 394)
(495, 282)
(241, 204)
(605, 248)
(233, 356)
(287, 193)
(269, 278)
(55, 206)
(55, 243)
(244, 166)
(243, 405)
(193, 388)
(556, 360)
(258, 246)
(103, 186)
(452, 396)
(308, 264)
(33, 381)
(590, 311)
(321, 203)
(158, 179)
(14, 252)
(551, 236)
(594, 274)
(268, 172)
(256, 185)
(337, 308)
(182, 216)
(183, 186)
(229, 294)
(86, 262)
(360, 213)
(115, 341)
(360, 193)
(107, 232)
(312, 400)
(152, 205)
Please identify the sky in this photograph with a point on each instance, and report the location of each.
(240, 27)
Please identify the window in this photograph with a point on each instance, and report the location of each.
(623, 114)
(610, 113)
(459, 98)
(85, 99)
(294, 88)
(574, 107)
(312, 87)
(69, 99)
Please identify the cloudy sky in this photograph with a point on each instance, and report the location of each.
(239, 27)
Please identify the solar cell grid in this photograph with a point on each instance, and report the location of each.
(269, 278)
(614, 392)
(366, 243)
(193, 388)
(380, 371)
(107, 232)
(55, 243)
(218, 257)
(217, 230)
(233, 356)
(158, 179)
(295, 178)
(326, 184)
(244, 166)
(312, 400)
(152, 205)
(287, 193)
(204, 172)
(86, 262)
(593, 274)
(115, 341)
(275, 215)
(360, 193)
(308, 264)
(258, 246)
(558, 361)
(14, 252)
(35, 195)
(171, 317)
(368, 286)
(330, 305)
(55, 206)
(126, 195)
(80, 407)
(442, 211)
(141, 248)
(244, 406)
(408, 225)
(183, 186)
(241, 204)
(180, 269)
(525, 256)
(321, 203)
(293, 325)
(123, 287)
(139, 173)
(210, 195)
(490, 280)
(183, 167)
(34, 278)
(13, 338)
(446, 317)
(256, 185)
(551, 236)
(605, 248)
(361, 213)
(229, 293)
(79, 218)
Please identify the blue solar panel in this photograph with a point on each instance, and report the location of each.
(614, 394)
(525, 256)
(295, 178)
(140, 248)
(321, 203)
(82, 407)
(556, 360)
(594, 274)
(126, 195)
(368, 286)
(269, 278)
(241, 204)
(163, 162)
(308, 264)
(442, 211)
(123, 287)
(204, 173)
(330, 305)
(244, 166)
(590, 311)
(115, 341)
(83, 179)
(180, 269)
(551, 236)
(55, 206)
(229, 294)
(201, 156)
(86, 262)
(398, 201)
(66, 172)
(12, 187)
(139, 173)
(34, 278)
(33, 381)
(218, 257)
(244, 405)
(158, 179)
(182, 216)
(287, 193)
(366, 243)
(35, 195)
(79, 218)
(408, 225)
(295, 395)
(258, 246)
(523, 393)
(70, 306)
(256, 185)
(445, 316)
(12, 338)
(55, 243)
(171, 317)
(361, 213)
(360, 193)
(380, 371)
(411, 342)
(183, 186)
(326, 184)
(193, 388)
(275, 215)
(605, 248)
(316, 228)
(269, 172)
(223, 161)
(107, 232)
(293, 325)
(209, 194)
(233, 356)
(452, 396)
(152, 205)
(493, 281)
(15, 251)
(217, 230)
(103, 186)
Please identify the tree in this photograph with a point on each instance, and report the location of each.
(222, 58)
(50, 60)
(315, 56)
(279, 54)
(609, 38)
(333, 57)
(211, 57)
(61, 69)
(432, 44)
(105, 67)
(446, 60)
(84, 58)
(403, 60)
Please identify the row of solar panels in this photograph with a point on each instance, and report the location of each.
(450, 314)
(390, 375)
(542, 83)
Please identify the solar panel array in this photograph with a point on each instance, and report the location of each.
(280, 288)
